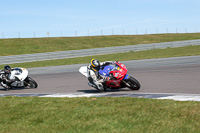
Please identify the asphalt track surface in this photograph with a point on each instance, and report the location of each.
(165, 76)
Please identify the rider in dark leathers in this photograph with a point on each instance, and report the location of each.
(7, 77)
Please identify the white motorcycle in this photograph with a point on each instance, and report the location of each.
(21, 79)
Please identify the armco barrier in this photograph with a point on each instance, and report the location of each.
(90, 52)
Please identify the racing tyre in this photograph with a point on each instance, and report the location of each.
(133, 84)
(31, 83)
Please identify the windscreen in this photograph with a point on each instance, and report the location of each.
(18, 71)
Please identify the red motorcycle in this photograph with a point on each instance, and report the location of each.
(118, 77)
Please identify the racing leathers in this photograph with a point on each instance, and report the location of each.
(6, 79)
(95, 79)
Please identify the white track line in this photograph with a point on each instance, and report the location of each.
(170, 96)
(176, 97)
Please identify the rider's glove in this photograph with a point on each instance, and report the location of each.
(116, 61)
(105, 78)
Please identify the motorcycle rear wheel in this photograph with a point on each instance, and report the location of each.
(133, 84)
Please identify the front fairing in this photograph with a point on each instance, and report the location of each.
(119, 71)
(21, 73)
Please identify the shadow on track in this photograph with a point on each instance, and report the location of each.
(108, 90)
(22, 88)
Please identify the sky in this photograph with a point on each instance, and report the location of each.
(69, 18)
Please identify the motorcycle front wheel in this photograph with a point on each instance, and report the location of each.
(31, 83)
(133, 84)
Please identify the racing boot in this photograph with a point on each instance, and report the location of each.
(100, 87)
(7, 88)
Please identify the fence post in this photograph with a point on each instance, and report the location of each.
(34, 34)
(61, 34)
(47, 33)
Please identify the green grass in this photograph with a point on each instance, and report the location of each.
(149, 54)
(103, 114)
(39, 45)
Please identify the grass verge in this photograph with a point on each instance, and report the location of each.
(40, 45)
(149, 54)
(102, 114)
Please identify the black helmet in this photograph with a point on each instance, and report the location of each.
(95, 64)
(7, 69)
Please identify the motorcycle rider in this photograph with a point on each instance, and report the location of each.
(7, 77)
(94, 78)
